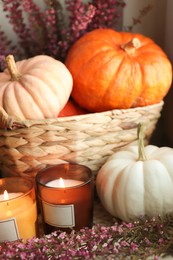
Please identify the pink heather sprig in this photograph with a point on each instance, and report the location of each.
(53, 19)
(138, 239)
(52, 37)
(6, 47)
(16, 19)
(35, 27)
(81, 15)
(52, 30)
(108, 13)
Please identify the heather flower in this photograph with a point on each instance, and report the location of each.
(133, 246)
(6, 47)
(15, 16)
(98, 243)
(81, 15)
(108, 13)
(124, 243)
(51, 31)
(161, 241)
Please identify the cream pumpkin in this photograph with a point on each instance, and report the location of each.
(35, 88)
(131, 185)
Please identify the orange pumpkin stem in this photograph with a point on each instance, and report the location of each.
(131, 46)
(11, 65)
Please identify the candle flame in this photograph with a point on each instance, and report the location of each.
(61, 183)
(6, 197)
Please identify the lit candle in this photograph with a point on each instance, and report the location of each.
(12, 195)
(65, 193)
(18, 212)
(63, 183)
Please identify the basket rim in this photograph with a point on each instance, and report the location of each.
(8, 122)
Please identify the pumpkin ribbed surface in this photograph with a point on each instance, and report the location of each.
(130, 188)
(37, 88)
(117, 70)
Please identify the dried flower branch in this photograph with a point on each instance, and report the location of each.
(137, 20)
(15, 16)
(139, 240)
(50, 31)
(35, 28)
(6, 47)
(54, 28)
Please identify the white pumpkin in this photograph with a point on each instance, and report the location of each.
(137, 181)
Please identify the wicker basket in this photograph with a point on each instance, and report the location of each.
(30, 145)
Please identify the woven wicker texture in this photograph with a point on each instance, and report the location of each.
(28, 146)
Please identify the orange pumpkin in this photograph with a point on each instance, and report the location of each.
(35, 88)
(71, 109)
(117, 70)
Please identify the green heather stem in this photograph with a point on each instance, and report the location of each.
(141, 152)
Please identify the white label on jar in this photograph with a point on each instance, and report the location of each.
(59, 215)
(8, 230)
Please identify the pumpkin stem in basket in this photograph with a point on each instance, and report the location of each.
(141, 152)
(131, 46)
(11, 65)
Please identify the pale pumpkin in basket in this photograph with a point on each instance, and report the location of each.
(35, 88)
(117, 70)
(137, 182)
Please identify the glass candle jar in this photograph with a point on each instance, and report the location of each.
(18, 211)
(65, 195)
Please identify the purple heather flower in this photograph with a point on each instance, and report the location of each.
(124, 243)
(161, 241)
(49, 31)
(133, 246)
